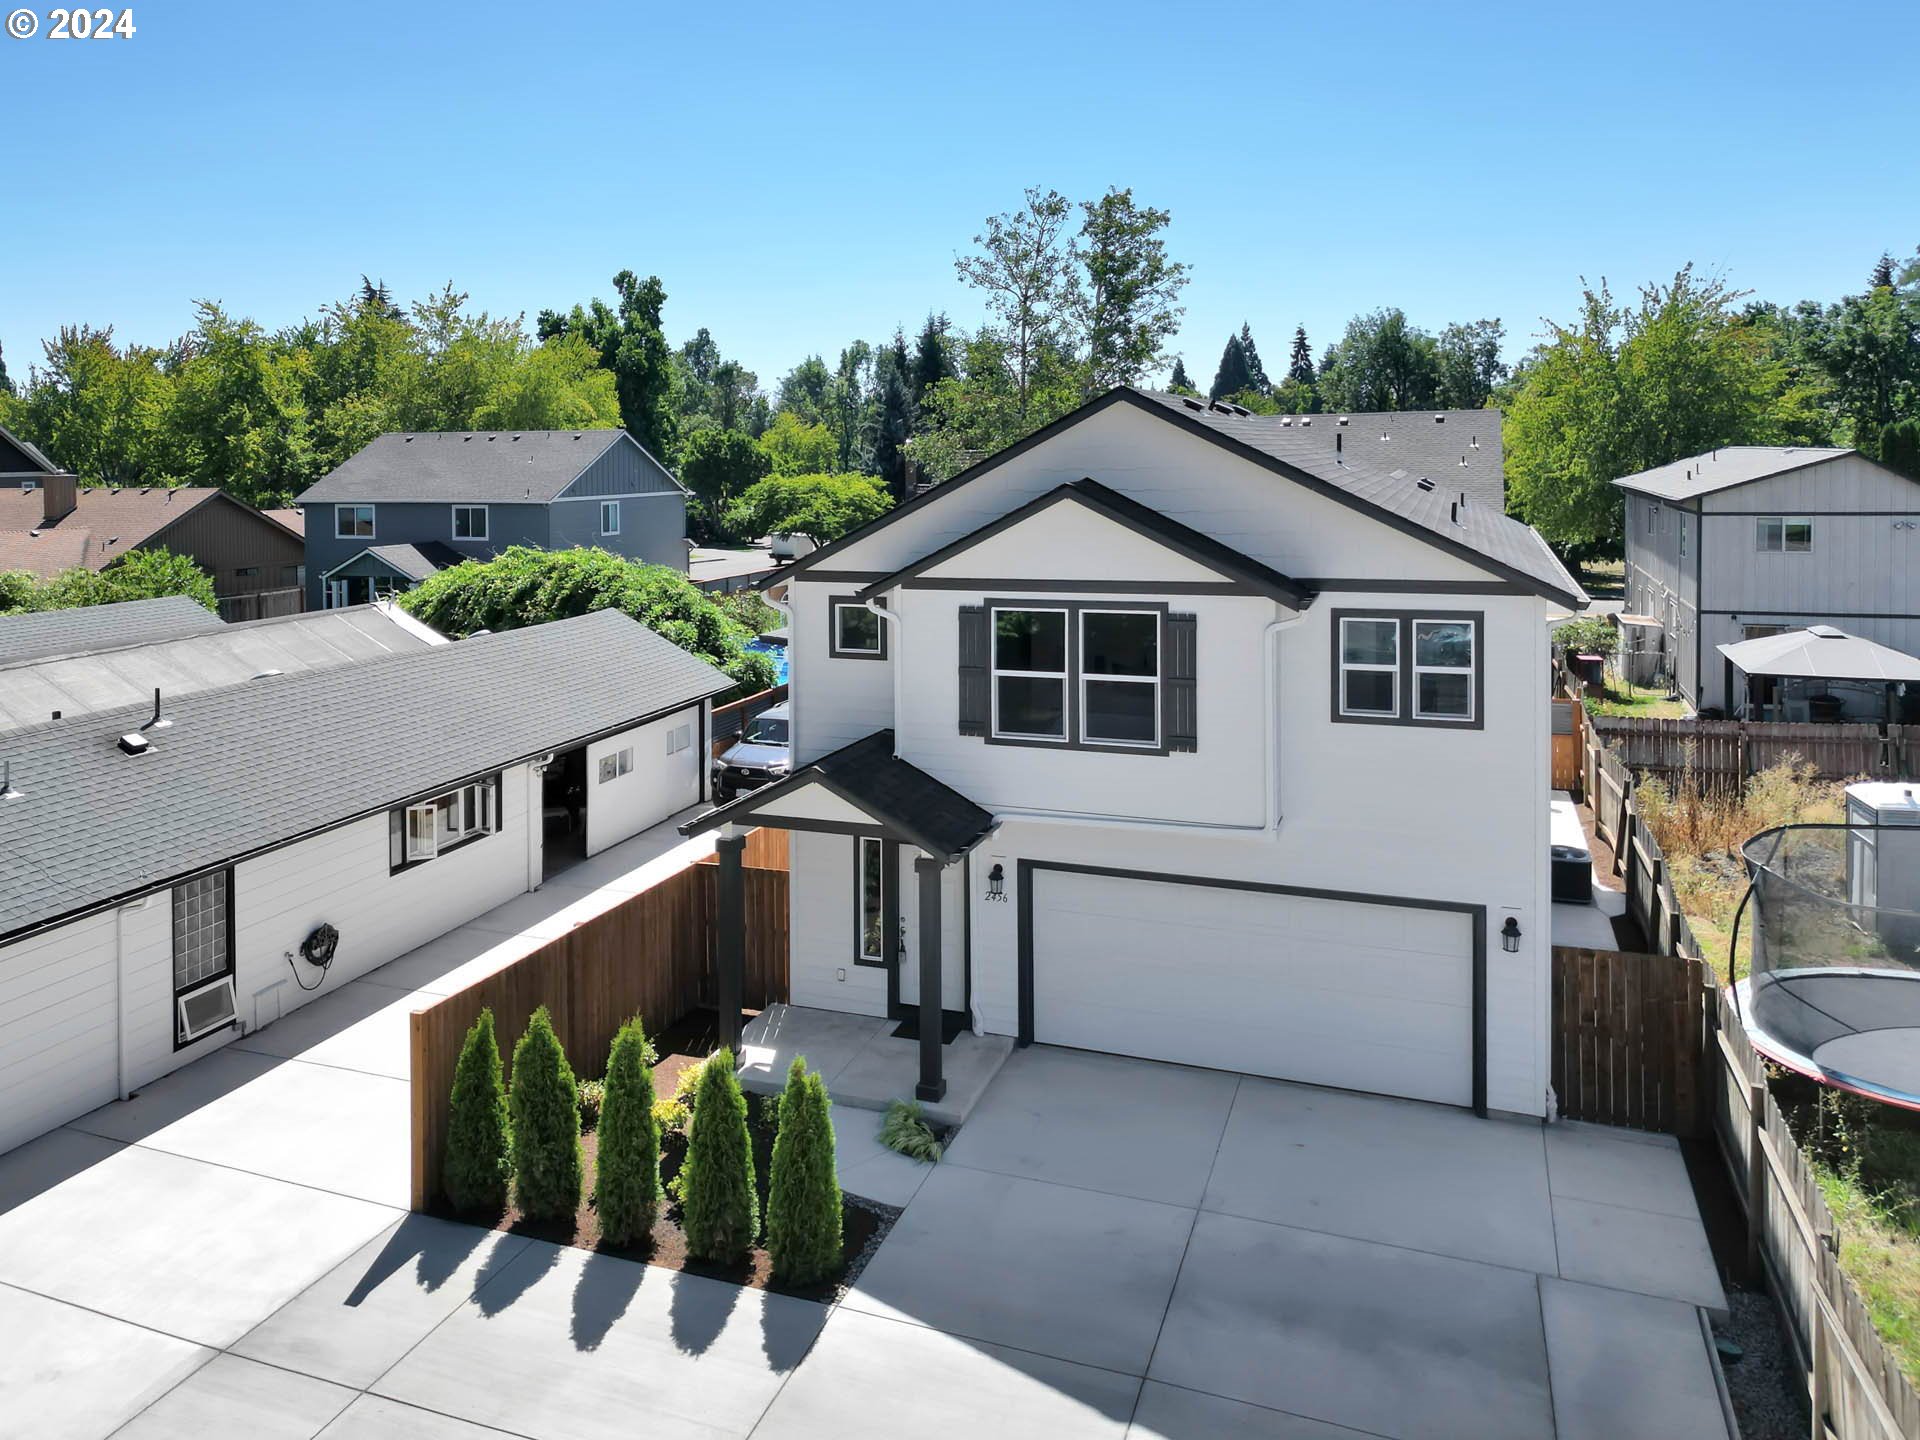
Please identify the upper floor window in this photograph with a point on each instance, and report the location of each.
(353, 522)
(1407, 668)
(857, 632)
(1653, 516)
(1120, 677)
(1030, 674)
(469, 522)
(427, 828)
(1783, 532)
(609, 517)
(1683, 537)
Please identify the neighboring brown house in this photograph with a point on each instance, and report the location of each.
(53, 523)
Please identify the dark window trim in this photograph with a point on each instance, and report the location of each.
(1406, 699)
(837, 603)
(1072, 677)
(231, 973)
(1783, 519)
(397, 823)
(453, 521)
(1476, 914)
(882, 961)
(373, 520)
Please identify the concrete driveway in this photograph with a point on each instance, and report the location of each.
(1111, 1247)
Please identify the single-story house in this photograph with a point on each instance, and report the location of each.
(168, 882)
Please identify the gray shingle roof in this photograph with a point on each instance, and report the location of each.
(1724, 468)
(415, 562)
(97, 627)
(129, 673)
(1459, 448)
(868, 775)
(254, 765)
(498, 466)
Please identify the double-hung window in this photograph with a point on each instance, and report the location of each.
(1030, 674)
(469, 522)
(353, 522)
(1120, 677)
(609, 517)
(1407, 668)
(1369, 666)
(870, 898)
(1788, 533)
(429, 828)
(202, 956)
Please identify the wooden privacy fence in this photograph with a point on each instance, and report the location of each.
(1628, 1037)
(1607, 785)
(1723, 753)
(730, 719)
(1569, 728)
(651, 956)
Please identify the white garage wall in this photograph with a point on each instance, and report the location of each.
(665, 778)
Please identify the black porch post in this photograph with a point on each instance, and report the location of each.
(730, 955)
(932, 1084)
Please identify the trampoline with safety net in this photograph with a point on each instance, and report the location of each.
(1833, 913)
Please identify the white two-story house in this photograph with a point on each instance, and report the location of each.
(1173, 732)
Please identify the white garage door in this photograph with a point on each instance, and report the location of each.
(1333, 992)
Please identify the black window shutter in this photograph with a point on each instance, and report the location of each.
(1180, 719)
(974, 708)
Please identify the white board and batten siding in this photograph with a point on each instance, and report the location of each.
(655, 773)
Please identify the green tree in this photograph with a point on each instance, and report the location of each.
(477, 1167)
(1469, 366)
(822, 506)
(556, 386)
(626, 1192)
(138, 575)
(980, 412)
(1300, 359)
(1023, 266)
(632, 345)
(544, 1102)
(719, 1204)
(1869, 349)
(1233, 374)
(1900, 447)
(806, 393)
(719, 465)
(892, 413)
(803, 1196)
(850, 402)
(1125, 303)
(524, 586)
(100, 411)
(793, 447)
(1256, 372)
(935, 357)
(239, 412)
(1295, 397)
(6, 380)
(1381, 363)
(1179, 382)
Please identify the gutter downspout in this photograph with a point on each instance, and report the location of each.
(1267, 829)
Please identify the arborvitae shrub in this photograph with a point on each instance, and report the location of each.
(475, 1171)
(545, 1104)
(626, 1186)
(803, 1198)
(719, 1207)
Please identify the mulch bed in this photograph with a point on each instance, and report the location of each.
(864, 1223)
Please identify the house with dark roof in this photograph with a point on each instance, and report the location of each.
(1753, 540)
(407, 505)
(1178, 732)
(175, 875)
(55, 524)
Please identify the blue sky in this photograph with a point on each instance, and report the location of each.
(803, 175)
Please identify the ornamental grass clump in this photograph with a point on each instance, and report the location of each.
(905, 1131)
(545, 1106)
(475, 1172)
(803, 1197)
(626, 1188)
(719, 1206)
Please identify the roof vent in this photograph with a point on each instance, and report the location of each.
(1439, 419)
(1463, 462)
(7, 792)
(154, 722)
(1826, 632)
(264, 674)
(1424, 483)
(1453, 512)
(134, 743)
(1285, 421)
(492, 438)
(1306, 420)
(407, 441)
(1191, 403)
(1344, 420)
(1474, 443)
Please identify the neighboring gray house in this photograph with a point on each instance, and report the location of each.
(406, 505)
(1751, 540)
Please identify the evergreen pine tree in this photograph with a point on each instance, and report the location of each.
(545, 1105)
(933, 358)
(803, 1197)
(475, 1171)
(1900, 447)
(626, 1186)
(1232, 377)
(6, 381)
(1181, 383)
(1882, 277)
(1300, 362)
(719, 1205)
(1256, 372)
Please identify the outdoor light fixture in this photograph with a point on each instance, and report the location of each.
(1510, 935)
(997, 884)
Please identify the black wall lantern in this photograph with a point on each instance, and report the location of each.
(1510, 936)
(997, 884)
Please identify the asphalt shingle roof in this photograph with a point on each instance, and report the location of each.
(416, 562)
(869, 776)
(497, 466)
(257, 764)
(114, 520)
(1724, 468)
(99, 627)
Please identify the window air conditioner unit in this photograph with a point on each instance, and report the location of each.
(209, 1008)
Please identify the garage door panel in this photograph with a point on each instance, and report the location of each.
(1332, 992)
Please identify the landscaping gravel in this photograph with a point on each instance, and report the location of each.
(1767, 1401)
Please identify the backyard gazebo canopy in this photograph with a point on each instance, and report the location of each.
(1820, 652)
